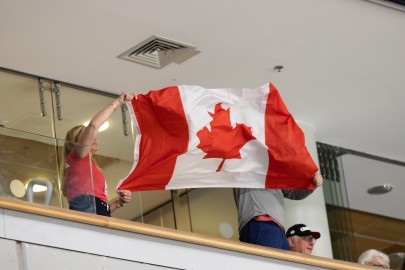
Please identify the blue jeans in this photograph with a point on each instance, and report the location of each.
(83, 203)
(90, 204)
(264, 233)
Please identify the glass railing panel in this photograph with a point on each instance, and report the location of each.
(23, 106)
(156, 208)
(30, 168)
(205, 211)
(213, 212)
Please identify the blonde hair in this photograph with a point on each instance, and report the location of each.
(71, 138)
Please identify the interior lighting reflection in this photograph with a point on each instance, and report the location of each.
(380, 189)
(17, 188)
(39, 188)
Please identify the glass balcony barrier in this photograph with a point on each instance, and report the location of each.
(32, 169)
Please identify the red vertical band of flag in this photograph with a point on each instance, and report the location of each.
(290, 164)
(164, 136)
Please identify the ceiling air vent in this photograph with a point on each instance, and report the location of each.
(158, 52)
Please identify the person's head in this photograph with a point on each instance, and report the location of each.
(71, 138)
(301, 239)
(375, 258)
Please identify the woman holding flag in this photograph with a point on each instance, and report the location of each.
(84, 183)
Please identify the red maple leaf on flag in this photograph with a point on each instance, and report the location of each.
(223, 141)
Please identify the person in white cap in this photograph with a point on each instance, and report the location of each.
(301, 239)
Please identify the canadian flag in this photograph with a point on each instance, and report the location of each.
(193, 137)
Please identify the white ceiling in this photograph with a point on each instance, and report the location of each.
(343, 60)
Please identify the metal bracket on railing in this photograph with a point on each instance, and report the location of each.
(56, 90)
(124, 119)
(41, 182)
(42, 88)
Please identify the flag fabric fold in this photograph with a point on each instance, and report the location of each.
(193, 137)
